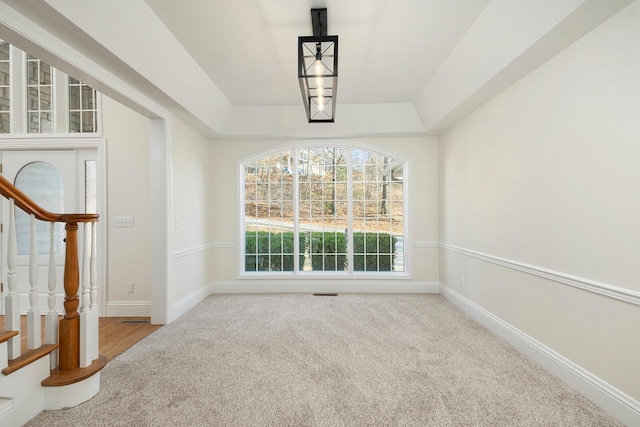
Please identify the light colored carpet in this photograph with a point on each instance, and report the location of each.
(350, 360)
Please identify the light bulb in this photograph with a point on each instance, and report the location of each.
(317, 68)
(321, 106)
(320, 90)
(319, 81)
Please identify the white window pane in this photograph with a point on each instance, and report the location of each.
(332, 196)
(82, 107)
(74, 98)
(42, 182)
(4, 123)
(5, 88)
(90, 189)
(4, 73)
(39, 96)
(4, 51)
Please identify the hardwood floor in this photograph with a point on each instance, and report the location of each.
(119, 333)
(116, 333)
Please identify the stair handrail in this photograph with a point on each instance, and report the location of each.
(24, 202)
(69, 326)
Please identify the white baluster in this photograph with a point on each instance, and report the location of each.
(86, 284)
(94, 330)
(12, 310)
(93, 273)
(34, 325)
(51, 318)
(88, 334)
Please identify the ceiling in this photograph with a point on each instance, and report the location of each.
(388, 50)
(229, 67)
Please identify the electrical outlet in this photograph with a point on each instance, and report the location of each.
(124, 221)
(462, 281)
(130, 287)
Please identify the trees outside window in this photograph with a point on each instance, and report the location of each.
(334, 208)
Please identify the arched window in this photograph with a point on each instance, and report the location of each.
(42, 182)
(334, 208)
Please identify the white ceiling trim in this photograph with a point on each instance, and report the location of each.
(507, 41)
(17, 29)
(131, 31)
(354, 120)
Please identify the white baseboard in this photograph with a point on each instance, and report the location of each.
(307, 286)
(609, 398)
(143, 308)
(128, 309)
(190, 301)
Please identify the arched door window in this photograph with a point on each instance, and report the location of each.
(337, 208)
(42, 182)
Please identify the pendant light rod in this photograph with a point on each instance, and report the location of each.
(319, 22)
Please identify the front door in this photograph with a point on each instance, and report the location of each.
(51, 179)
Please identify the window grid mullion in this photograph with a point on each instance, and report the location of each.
(378, 203)
(281, 201)
(325, 208)
(349, 211)
(255, 232)
(296, 212)
(323, 185)
(269, 221)
(6, 88)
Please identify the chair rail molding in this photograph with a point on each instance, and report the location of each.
(604, 289)
(425, 244)
(201, 248)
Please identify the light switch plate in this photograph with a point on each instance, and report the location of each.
(124, 221)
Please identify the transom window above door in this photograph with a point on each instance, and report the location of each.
(326, 209)
(37, 98)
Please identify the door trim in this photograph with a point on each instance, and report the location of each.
(61, 142)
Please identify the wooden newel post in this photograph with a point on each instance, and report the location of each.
(69, 352)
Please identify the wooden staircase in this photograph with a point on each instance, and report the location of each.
(64, 370)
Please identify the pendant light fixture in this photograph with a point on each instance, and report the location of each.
(318, 70)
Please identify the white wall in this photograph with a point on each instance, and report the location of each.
(128, 194)
(423, 215)
(192, 215)
(547, 174)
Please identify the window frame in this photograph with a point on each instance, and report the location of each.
(39, 87)
(9, 86)
(348, 274)
(81, 110)
(60, 103)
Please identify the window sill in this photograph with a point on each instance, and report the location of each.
(325, 276)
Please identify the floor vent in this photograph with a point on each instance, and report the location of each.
(325, 295)
(134, 322)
